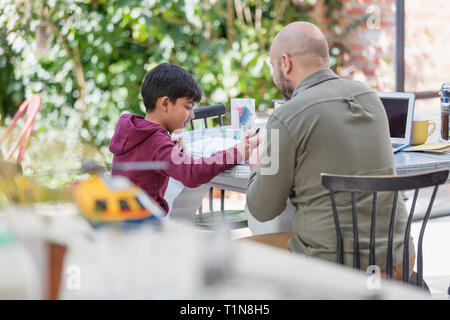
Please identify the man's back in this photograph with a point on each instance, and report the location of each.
(335, 126)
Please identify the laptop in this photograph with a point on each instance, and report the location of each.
(399, 108)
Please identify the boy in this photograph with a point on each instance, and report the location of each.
(169, 93)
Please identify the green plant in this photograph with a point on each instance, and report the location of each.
(87, 58)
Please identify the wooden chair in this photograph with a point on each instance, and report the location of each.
(31, 106)
(8, 171)
(375, 184)
(8, 168)
(237, 218)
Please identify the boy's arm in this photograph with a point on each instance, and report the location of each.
(193, 172)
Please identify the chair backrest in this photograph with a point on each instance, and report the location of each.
(377, 184)
(205, 112)
(32, 107)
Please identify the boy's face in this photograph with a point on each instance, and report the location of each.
(180, 113)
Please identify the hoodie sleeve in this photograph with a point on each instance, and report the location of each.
(189, 171)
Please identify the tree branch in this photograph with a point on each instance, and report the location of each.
(258, 24)
(248, 15)
(230, 18)
(176, 21)
(238, 8)
(78, 69)
(279, 11)
(79, 80)
(258, 15)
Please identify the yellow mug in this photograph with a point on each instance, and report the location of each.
(421, 131)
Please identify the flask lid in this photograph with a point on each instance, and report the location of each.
(445, 89)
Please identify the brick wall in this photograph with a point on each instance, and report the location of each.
(372, 45)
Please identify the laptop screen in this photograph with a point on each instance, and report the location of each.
(397, 113)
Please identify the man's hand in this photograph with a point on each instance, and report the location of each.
(256, 148)
(244, 149)
(179, 143)
(255, 137)
(251, 142)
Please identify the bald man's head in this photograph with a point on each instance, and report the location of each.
(304, 42)
(297, 51)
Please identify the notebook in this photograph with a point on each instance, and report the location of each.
(206, 147)
(399, 107)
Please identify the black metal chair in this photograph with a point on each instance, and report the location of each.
(236, 218)
(216, 110)
(375, 184)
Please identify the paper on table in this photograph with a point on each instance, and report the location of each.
(210, 145)
(442, 147)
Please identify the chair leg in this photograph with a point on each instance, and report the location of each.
(211, 194)
(222, 199)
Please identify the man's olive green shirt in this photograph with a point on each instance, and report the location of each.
(330, 125)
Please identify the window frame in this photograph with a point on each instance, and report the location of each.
(400, 54)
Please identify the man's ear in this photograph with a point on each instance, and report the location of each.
(286, 63)
(163, 103)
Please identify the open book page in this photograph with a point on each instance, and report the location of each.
(441, 147)
(206, 147)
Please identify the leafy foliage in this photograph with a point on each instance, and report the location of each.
(87, 58)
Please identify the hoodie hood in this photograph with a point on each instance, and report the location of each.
(131, 131)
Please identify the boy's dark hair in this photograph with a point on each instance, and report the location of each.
(168, 80)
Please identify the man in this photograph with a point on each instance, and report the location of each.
(329, 125)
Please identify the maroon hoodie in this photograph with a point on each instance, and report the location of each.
(137, 139)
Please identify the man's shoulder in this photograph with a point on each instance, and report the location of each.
(333, 89)
(356, 85)
(323, 93)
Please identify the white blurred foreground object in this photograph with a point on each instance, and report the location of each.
(178, 262)
(19, 276)
(175, 261)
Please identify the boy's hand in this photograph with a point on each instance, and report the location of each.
(255, 138)
(244, 149)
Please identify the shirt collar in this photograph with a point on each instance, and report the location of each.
(314, 79)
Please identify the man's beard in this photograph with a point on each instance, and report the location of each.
(285, 87)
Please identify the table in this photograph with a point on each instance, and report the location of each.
(173, 261)
(182, 263)
(236, 179)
